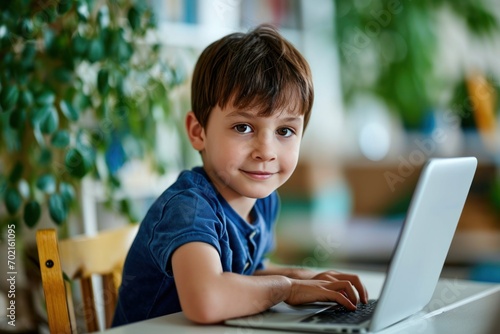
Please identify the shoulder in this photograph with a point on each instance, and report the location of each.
(190, 184)
(188, 210)
(194, 179)
(191, 194)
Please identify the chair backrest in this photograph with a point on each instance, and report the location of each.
(81, 258)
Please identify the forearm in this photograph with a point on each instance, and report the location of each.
(291, 272)
(230, 295)
(209, 295)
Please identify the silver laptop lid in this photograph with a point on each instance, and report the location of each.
(424, 240)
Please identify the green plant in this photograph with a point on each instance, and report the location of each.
(82, 91)
(388, 48)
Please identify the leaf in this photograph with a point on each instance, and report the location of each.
(128, 208)
(124, 50)
(95, 51)
(39, 136)
(68, 193)
(68, 110)
(45, 157)
(46, 183)
(76, 163)
(66, 277)
(82, 101)
(57, 209)
(3, 185)
(32, 212)
(79, 45)
(64, 6)
(63, 75)
(17, 118)
(50, 123)
(25, 98)
(103, 17)
(82, 10)
(38, 114)
(50, 13)
(118, 82)
(24, 188)
(60, 139)
(49, 37)
(16, 173)
(12, 200)
(28, 54)
(8, 97)
(25, 29)
(103, 82)
(134, 18)
(45, 98)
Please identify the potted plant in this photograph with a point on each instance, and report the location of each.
(389, 49)
(83, 88)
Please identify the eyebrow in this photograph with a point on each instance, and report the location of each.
(246, 114)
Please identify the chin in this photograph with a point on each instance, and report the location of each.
(257, 193)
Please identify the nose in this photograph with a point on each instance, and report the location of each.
(264, 147)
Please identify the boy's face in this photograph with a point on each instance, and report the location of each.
(247, 155)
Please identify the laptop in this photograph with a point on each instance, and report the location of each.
(416, 263)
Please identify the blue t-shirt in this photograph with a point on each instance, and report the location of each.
(188, 211)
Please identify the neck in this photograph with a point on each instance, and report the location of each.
(243, 206)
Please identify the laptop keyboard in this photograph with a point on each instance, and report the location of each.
(339, 314)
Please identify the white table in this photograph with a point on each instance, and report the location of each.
(457, 306)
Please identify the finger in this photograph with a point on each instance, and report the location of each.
(364, 297)
(356, 281)
(330, 275)
(363, 293)
(346, 289)
(341, 299)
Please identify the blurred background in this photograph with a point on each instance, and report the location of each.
(93, 97)
(396, 83)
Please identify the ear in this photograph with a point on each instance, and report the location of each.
(195, 132)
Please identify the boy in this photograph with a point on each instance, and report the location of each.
(201, 246)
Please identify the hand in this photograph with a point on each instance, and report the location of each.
(329, 286)
(316, 290)
(334, 276)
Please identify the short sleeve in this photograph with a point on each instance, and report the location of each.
(186, 217)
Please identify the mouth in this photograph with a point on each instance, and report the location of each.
(258, 175)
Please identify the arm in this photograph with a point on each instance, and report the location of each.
(291, 272)
(308, 274)
(209, 295)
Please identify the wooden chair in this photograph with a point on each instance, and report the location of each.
(81, 258)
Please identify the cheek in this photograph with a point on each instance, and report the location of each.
(226, 155)
(290, 159)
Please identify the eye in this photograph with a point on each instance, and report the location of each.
(285, 132)
(243, 128)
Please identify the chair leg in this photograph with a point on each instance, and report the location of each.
(53, 283)
(89, 311)
(110, 297)
(71, 307)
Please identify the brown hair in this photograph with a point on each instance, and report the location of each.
(259, 69)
